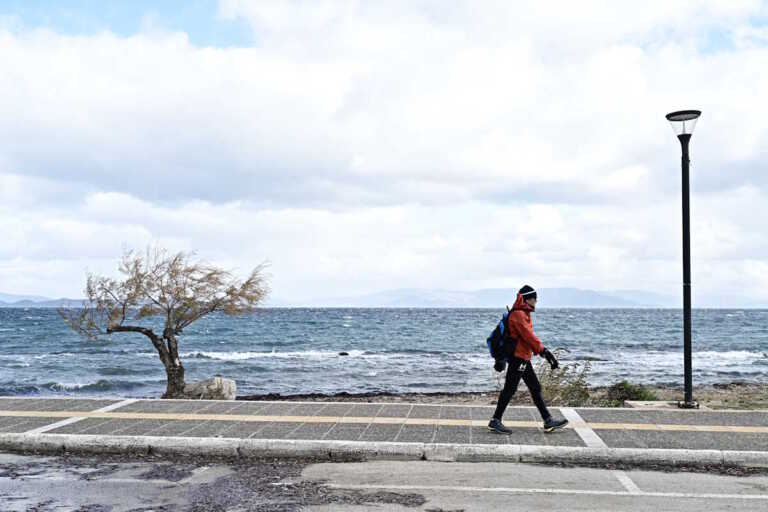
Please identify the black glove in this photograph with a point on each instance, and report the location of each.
(551, 359)
(500, 365)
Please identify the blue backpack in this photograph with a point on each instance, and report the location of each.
(500, 343)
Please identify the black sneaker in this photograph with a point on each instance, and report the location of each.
(497, 426)
(551, 425)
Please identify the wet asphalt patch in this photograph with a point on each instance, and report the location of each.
(220, 484)
(169, 471)
(244, 485)
(259, 485)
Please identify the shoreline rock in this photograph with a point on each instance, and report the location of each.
(216, 388)
(735, 395)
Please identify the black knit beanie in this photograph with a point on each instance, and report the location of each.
(527, 292)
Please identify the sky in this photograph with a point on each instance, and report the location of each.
(361, 146)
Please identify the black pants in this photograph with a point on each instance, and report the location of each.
(520, 368)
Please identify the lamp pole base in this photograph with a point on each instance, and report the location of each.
(682, 404)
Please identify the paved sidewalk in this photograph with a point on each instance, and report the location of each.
(384, 431)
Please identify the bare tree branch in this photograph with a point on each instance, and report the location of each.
(170, 286)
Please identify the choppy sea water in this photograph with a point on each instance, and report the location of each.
(397, 350)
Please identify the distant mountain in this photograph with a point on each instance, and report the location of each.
(498, 297)
(37, 302)
(486, 298)
(8, 297)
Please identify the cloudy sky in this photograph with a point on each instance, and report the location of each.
(360, 146)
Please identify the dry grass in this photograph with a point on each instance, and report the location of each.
(567, 385)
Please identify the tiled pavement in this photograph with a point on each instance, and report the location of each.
(403, 423)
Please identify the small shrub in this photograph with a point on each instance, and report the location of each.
(625, 390)
(566, 386)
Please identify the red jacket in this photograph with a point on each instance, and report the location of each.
(521, 328)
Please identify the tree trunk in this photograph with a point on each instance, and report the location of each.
(176, 382)
(168, 350)
(173, 367)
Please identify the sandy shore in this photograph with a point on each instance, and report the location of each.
(718, 396)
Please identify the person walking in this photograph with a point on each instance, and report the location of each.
(520, 367)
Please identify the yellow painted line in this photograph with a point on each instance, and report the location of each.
(41, 414)
(264, 418)
(373, 420)
(357, 419)
(510, 423)
(680, 428)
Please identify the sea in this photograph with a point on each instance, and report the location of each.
(332, 350)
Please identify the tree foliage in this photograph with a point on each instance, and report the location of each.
(175, 288)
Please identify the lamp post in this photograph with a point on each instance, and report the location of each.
(683, 122)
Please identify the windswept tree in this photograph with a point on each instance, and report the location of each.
(160, 287)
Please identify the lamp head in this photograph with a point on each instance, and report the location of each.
(683, 121)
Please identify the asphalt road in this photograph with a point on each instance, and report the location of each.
(510, 487)
(120, 483)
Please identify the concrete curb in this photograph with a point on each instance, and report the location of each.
(358, 451)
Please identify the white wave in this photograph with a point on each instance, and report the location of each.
(18, 359)
(242, 356)
(657, 365)
(71, 386)
(473, 359)
(728, 356)
(704, 355)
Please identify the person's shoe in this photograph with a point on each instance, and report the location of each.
(498, 427)
(551, 425)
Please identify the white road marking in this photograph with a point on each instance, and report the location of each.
(58, 424)
(592, 440)
(112, 407)
(516, 490)
(75, 419)
(627, 482)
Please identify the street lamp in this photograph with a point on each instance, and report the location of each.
(683, 123)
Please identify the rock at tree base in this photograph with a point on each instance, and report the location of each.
(216, 388)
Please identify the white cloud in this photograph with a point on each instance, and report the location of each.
(359, 147)
(316, 253)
